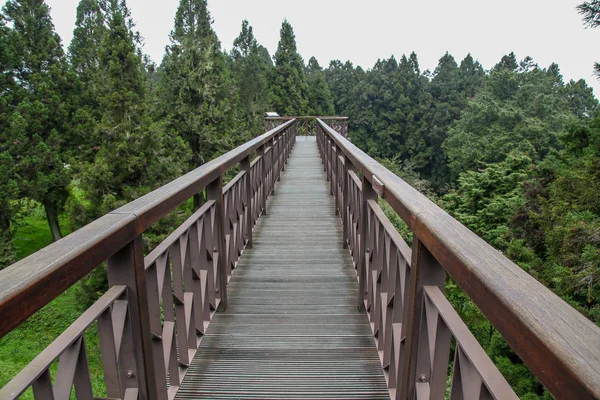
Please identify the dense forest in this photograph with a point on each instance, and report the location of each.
(512, 152)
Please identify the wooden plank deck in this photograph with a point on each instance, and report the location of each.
(292, 329)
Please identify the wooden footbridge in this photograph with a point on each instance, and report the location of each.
(290, 282)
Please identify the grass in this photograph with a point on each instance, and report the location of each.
(23, 344)
(33, 233)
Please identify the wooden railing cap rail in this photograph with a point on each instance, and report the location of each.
(560, 345)
(31, 283)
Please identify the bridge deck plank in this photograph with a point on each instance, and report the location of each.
(292, 329)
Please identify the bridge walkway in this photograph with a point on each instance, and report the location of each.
(292, 328)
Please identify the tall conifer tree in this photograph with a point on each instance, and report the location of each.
(288, 85)
(9, 188)
(199, 97)
(319, 95)
(84, 54)
(134, 154)
(39, 126)
(251, 68)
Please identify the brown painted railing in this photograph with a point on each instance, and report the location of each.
(339, 124)
(151, 318)
(402, 290)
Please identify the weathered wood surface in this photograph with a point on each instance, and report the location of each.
(292, 328)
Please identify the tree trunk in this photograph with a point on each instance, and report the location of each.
(52, 217)
(4, 223)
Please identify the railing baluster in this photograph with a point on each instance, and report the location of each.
(214, 191)
(126, 267)
(109, 356)
(82, 380)
(425, 271)
(42, 387)
(249, 224)
(67, 366)
(177, 251)
(195, 275)
(262, 180)
(434, 351)
(345, 201)
(367, 193)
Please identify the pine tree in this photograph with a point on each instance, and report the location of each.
(447, 102)
(251, 66)
(134, 155)
(514, 111)
(288, 85)
(590, 10)
(39, 126)
(319, 96)
(198, 93)
(84, 54)
(471, 76)
(508, 62)
(9, 189)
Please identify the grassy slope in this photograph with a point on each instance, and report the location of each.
(23, 344)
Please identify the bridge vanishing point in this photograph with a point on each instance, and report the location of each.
(290, 282)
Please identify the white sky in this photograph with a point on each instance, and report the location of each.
(363, 31)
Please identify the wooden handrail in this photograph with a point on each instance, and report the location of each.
(559, 345)
(31, 283)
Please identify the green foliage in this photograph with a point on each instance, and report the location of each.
(135, 154)
(395, 110)
(561, 218)
(523, 111)
(288, 84)
(198, 95)
(486, 201)
(251, 66)
(38, 125)
(319, 96)
(84, 55)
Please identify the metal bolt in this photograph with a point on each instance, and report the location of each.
(130, 374)
(423, 378)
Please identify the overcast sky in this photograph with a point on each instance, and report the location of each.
(363, 31)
